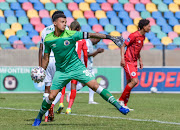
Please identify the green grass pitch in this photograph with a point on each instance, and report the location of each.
(151, 110)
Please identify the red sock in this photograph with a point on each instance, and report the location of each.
(72, 97)
(125, 95)
(62, 96)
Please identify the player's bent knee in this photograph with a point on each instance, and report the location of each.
(93, 85)
(51, 97)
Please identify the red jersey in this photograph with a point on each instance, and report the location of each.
(134, 45)
(82, 47)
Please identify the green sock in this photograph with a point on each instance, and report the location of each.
(44, 107)
(106, 95)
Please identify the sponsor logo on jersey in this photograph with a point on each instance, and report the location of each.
(128, 40)
(66, 43)
(53, 45)
(139, 41)
(133, 74)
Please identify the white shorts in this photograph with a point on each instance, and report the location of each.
(50, 71)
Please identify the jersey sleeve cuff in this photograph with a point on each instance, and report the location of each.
(85, 35)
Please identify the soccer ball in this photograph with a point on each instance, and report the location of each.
(153, 90)
(38, 74)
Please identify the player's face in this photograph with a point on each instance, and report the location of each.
(147, 28)
(60, 23)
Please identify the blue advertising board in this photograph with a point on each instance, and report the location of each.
(164, 79)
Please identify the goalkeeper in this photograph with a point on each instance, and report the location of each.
(68, 66)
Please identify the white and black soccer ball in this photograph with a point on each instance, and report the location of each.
(154, 90)
(38, 74)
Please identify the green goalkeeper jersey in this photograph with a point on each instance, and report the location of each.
(64, 49)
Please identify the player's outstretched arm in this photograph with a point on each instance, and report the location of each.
(122, 55)
(45, 60)
(117, 40)
(40, 54)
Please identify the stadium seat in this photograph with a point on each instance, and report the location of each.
(131, 28)
(146, 40)
(166, 40)
(32, 13)
(22, 1)
(47, 21)
(177, 15)
(101, 1)
(56, 1)
(86, 28)
(177, 29)
(157, 2)
(9, 32)
(95, 6)
(166, 28)
(156, 41)
(174, 7)
(38, 6)
(4, 26)
(23, 20)
(173, 21)
(1, 13)
(123, 1)
(78, 14)
(106, 7)
(176, 40)
(168, 1)
(115, 33)
(140, 7)
(152, 21)
(151, 7)
(168, 15)
(177, 2)
(127, 21)
(97, 28)
(115, 21)
(103, 21)
(51, 12)
(28, 27)
(155, 29)
(8, 13)
(89, 14)
(50, 6)
(20, 13)
(39, 27)
(16, 27)
(10, 1)
(61, 6)
(34, 48)
(129, 7)
(69, 20)
(2, 20)
(160, 35)
(73, 6)
(121, 28)
(109, 28)
(11, 20)
(36, 39)
(84, 6)
(172, 35)
(18, 45)
(78, 1)
(111, 14)
(67, 13)
(171, 46)
(45, 1)
(90, 1)
(2, 0)
(21, 33)
(112, 46)
(161, 21)
(150, 35)
(12, 39)
(100, 14)
(106, 41)
(162, 7)
(92, 21)
(134, 1)
(67, 1)
(15, 6)
(27, 6)
(134, 14)
(118, 7)
(123, 14)
(26, 40)
(148, 46)
(125, 35)
(145, 1)
(4, 6)
(82, 21)
(44, 14)
(136, 21)
(156, 14)
(35, 21)
(112, 1)
(145, 14)
(33, 33)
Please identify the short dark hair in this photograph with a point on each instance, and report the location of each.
(142, 23)
(75, 25)
(57, 12)
(56, 16)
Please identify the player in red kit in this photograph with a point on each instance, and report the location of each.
(134, 44)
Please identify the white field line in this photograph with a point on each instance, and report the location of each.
(108, 117)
